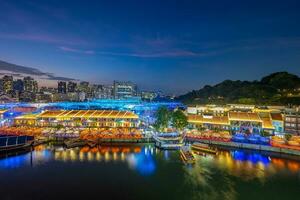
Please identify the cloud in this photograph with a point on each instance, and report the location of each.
(73, 50)
(21, 71)
(165, 54)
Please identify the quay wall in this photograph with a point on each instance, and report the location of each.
(247, 146)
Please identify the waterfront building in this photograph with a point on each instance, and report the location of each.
(244, 122)
(62, 87)
(80, 118)
(208, 109)
(241, 107)
(209, 122)
(123, 90)
(292, 122)
(277, 122)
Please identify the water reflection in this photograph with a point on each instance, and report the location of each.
(227, 175)
(37, 157)
(239, 163)
(214, 176)
(139, 158)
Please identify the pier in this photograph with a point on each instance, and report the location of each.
(247, 146)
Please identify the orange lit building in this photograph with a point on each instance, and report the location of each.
(250, 122)
(80, 118)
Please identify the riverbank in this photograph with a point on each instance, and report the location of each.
(247, 146)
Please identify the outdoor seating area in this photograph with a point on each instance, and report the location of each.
(64, 132)
(20, 131)
(210, 135)
(252, 138)
(291, 143)
(70, 132)
(107, 133)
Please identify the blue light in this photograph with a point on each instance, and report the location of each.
(145, 164)
(253, 157)
(14, 161)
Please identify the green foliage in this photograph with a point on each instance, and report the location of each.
(179, 120)
(272, 89)
(59, 126)
(266, 134)
(287, 136)
(163, 117)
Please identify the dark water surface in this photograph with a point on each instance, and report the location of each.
(144, 172)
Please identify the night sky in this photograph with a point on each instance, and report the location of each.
(173, 46)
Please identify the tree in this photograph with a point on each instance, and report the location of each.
(162, 118)
(179, 120)
(288, 136)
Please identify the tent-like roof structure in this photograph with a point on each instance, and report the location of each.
(2, 111)
(223, 120)
(244, 116)
(87, 114)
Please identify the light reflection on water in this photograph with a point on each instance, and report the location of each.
(222, 176)
(239, 163)
(215, 176)
(139, 158)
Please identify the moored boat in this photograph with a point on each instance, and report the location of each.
(203, 147)
(187, 156)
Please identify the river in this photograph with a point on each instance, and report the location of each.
(145, 172)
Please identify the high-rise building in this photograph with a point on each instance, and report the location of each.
(71, 87)
(30, 85)
(106, 92)
(124, 89)
(18, 85)
(62, 87)
(94, 91)
(7, 84)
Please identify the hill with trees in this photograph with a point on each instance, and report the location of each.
(280, 88)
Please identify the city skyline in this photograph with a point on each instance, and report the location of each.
(200, 43)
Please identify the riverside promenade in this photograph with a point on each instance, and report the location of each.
(247, 146)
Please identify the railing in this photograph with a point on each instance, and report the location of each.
(6, 141)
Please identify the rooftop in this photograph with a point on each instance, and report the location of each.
(60, 114)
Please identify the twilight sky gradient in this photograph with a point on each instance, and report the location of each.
(173, 46)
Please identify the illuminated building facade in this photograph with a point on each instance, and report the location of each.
(71, 87)
(80, 118)
(7, 84)
(292, 123)
(30, 85)
(62, 87)
(123, 90)
(244, 122)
